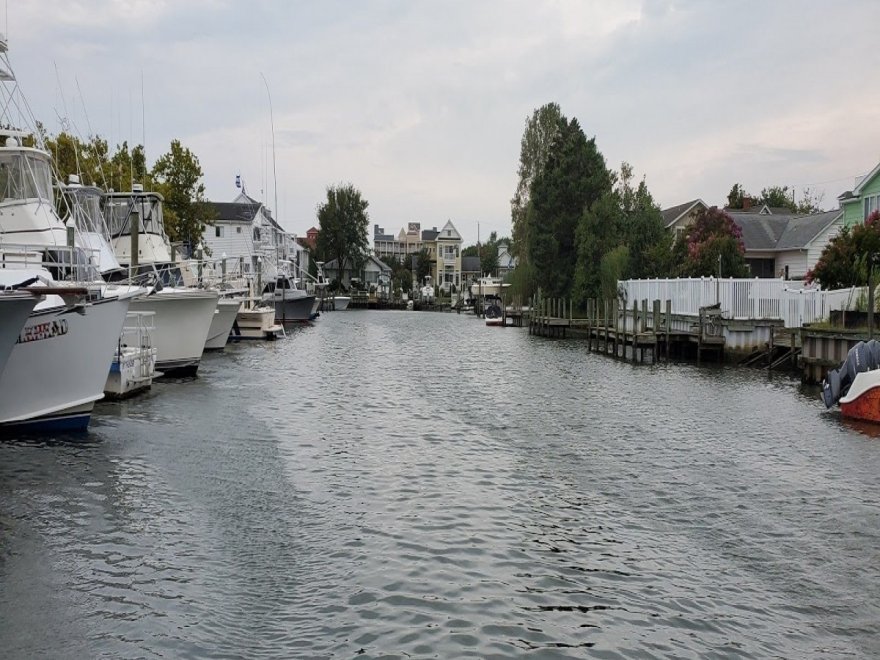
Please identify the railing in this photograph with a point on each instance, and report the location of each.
(743, 299)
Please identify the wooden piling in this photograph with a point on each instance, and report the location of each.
(668, 324)
(656, 312)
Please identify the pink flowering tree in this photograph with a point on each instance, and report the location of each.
(713, 241)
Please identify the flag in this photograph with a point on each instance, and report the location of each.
(238, 180)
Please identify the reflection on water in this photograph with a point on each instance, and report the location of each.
(415, 484)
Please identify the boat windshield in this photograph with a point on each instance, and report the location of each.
(24, 175)
(169, 274)
(85, 207)
(119, 209)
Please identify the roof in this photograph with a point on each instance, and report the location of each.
(429, 234)
(866, 180)
(763, 232)
(470, 264)
(801, 231)
(449, 232)
(673, 213)
(234, 212)
(383, 267)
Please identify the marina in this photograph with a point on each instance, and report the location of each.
(459, 516)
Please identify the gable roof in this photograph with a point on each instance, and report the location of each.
(453, 232)
(234, 211)
(381, 265)
(429, 234)
(763, 232)
(673, 213)
(864, 182)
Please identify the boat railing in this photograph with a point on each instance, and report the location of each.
(65, 263)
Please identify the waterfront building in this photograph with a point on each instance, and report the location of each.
(371, 273)
(245, 231)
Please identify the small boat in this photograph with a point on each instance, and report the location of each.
(134, 364)
(488, 286)
(855, 386)
(291, 303)
(340, 303)
(492, 311)
(256, 321)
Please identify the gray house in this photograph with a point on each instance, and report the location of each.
(373, 270)
(785, 245)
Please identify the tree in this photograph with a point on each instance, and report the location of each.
(811, 202)
(778, 197)
(849, 257)
(643, 228)
(423, 265)
(541, 129)
(343, 221)
(178, 177)
(573, 179)
(736, 197)
(712, 242)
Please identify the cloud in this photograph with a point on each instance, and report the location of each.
(422, 105)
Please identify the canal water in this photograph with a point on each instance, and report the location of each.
(393, 484)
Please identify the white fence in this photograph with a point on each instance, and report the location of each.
(743, 299)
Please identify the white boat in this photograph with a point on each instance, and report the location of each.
(221, 325)
(488, 286)
(58, 367)
(134, 363)
(340, 303)
(183, 315)
(257, 322)
(426, 293)
(291, 303)
(15, 308)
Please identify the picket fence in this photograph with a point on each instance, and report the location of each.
(744, 299)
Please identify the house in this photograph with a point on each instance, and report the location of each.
(857, 204)
(506, 261)
(678, 218)
(373, 269)
(447, 263)
(310, 241)
(785, 245)
(404, 244)
(245, 231)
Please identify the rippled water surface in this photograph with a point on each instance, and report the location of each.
(418, 485)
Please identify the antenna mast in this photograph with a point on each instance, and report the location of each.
(272, 120)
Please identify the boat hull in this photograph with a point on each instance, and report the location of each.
(59, 365)
(221, 324)
(14, 312)
(257, 324)
(295, 309)
(862, 401)
(340, 303)
(182, 320)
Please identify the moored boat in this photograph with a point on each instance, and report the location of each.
(855, 386)
(291, 303)
(15, 308)
(221, 325)
(134, 363)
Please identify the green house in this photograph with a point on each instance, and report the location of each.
(861, 201)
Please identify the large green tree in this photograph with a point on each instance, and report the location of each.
(540, 131)
(177, 175)
(343, 221)
(645, 233)
(573, 179)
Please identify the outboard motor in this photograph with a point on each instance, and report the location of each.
(861, 357)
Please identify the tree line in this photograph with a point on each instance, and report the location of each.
(579, 227)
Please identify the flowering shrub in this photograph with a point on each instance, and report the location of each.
(712, 236)
(848, 257)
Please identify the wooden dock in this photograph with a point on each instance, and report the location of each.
(630, 333)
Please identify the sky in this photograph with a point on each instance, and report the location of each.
(421, 104)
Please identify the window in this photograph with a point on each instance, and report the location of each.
(238, 230)
(218, 231)
(871, 205)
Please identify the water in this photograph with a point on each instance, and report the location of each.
(392, 484)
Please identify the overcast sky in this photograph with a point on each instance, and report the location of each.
(421, 105)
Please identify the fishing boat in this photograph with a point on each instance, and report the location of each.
(488, 286)
(184, 315)
(221, 325)
(855, 386)
(15, 308)
(58, 366)
(292, 304)
(492, 311)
